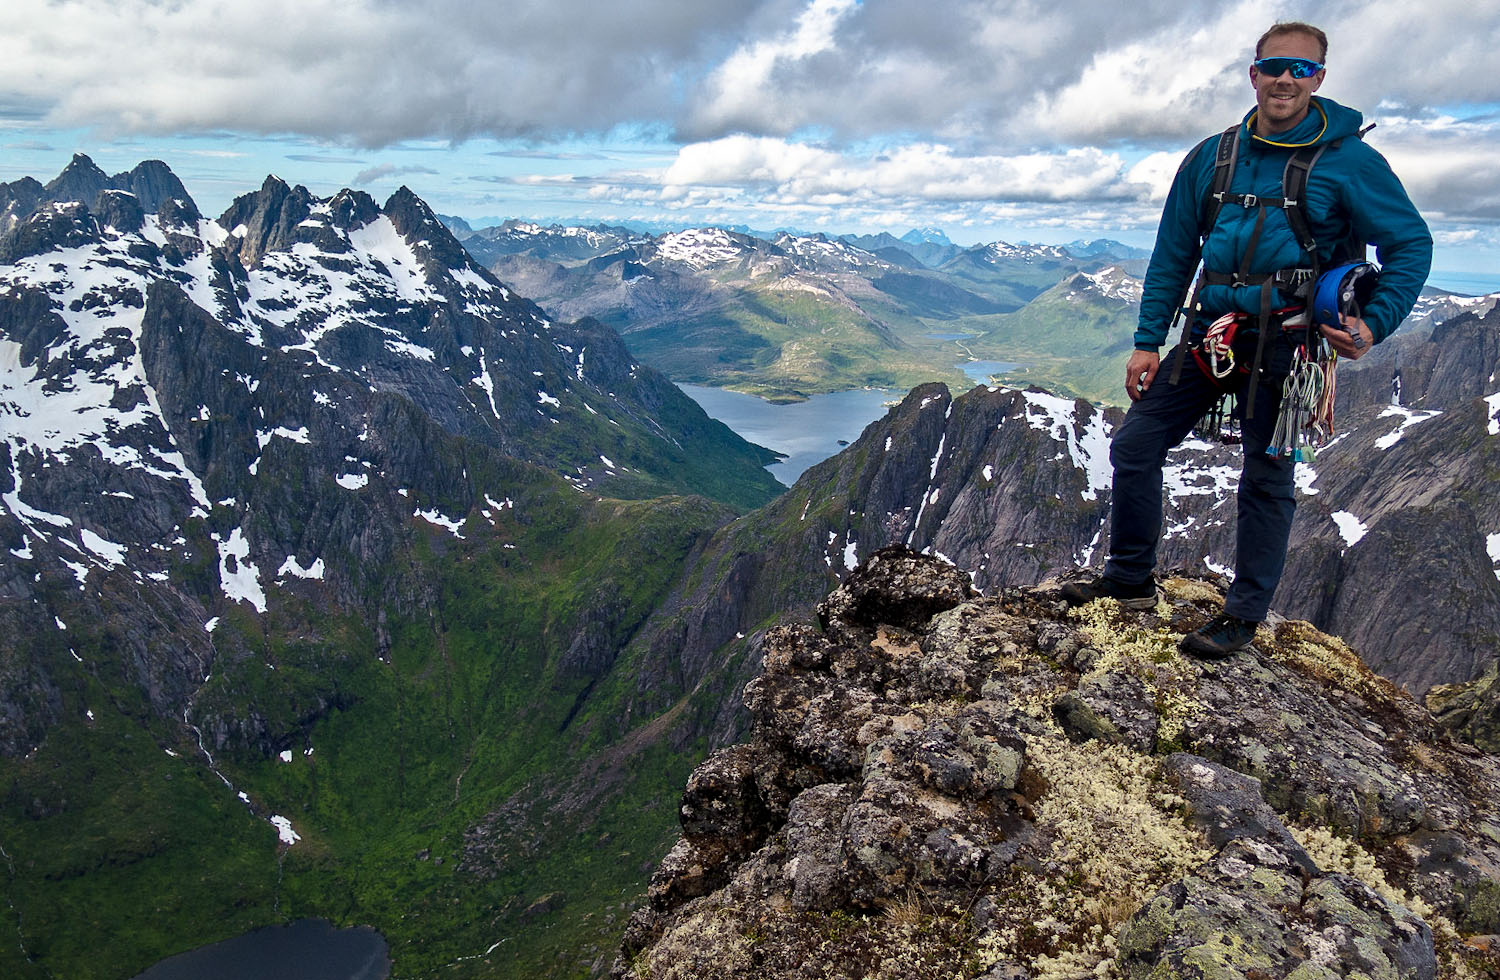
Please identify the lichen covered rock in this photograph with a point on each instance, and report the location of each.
(1471, 710)
(943, 785)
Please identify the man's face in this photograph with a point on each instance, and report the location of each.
(1283, 100)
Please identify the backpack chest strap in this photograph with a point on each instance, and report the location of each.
(1256, 201)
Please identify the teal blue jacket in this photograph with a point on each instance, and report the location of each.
(1351, 191)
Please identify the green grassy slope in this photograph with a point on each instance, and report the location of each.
(1071, 341)
(118, 836)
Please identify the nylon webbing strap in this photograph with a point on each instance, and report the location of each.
(1260, 346)
(1294, 188)
(1227, 155)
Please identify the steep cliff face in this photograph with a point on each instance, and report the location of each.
(1393, 546)
(940, 785)
(284, 399)
(306, 522)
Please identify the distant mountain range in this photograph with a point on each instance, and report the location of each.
(788, 315)
(793, 315)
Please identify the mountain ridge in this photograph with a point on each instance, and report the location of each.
(941, 785)
(311, 481)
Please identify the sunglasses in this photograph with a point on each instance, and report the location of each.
(1299, 67)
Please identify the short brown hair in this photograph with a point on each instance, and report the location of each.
(1294, 27)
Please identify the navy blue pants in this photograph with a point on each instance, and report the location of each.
(1267, 503)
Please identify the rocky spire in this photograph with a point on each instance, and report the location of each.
(81, 180)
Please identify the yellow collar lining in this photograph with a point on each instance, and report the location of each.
(1251, 124)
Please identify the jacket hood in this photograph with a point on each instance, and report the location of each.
(1326, 121)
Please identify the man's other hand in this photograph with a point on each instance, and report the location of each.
(1340, 339)
(1140, 372)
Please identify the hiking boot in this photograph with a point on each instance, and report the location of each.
(1219, 637)
(1139, 596)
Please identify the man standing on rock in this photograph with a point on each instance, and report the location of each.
(1256, 263)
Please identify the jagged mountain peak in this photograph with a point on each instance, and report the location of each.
(185, 359)
(350, 209)
(151, 182)
(156, 186)
(81, 180)
(420, 225)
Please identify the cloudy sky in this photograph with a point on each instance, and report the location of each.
(992, 119)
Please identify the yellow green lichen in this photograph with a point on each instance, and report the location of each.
(1334, 853)
(1191, 590)
(1305, 649)
(1150, 654)
(1118, 830)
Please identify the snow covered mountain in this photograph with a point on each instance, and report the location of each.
(221, 410)
(254, 472)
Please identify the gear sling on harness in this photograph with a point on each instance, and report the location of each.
(1210, 352)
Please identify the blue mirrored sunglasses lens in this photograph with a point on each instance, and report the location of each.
(1276, 67)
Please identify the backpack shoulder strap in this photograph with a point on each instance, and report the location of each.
(1294, 186)
(1224, 161)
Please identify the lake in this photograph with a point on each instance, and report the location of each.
(806, 432)
(310, 949)
(979, 371)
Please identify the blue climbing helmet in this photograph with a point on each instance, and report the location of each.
(1343, 291)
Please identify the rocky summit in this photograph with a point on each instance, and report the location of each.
(943, 785)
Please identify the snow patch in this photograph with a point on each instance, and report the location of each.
(1089, 450)
(1493, 401)
(281, 431)
(380, 240)
(238, 576)
(293, 567)
(434, 517)
(1351, 528)
(108, 552)
(1216, 568)
(284, 830)
(1408, 418)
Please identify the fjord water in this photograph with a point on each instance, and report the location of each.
(808, 432)
(805, 432)
(310, 949)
